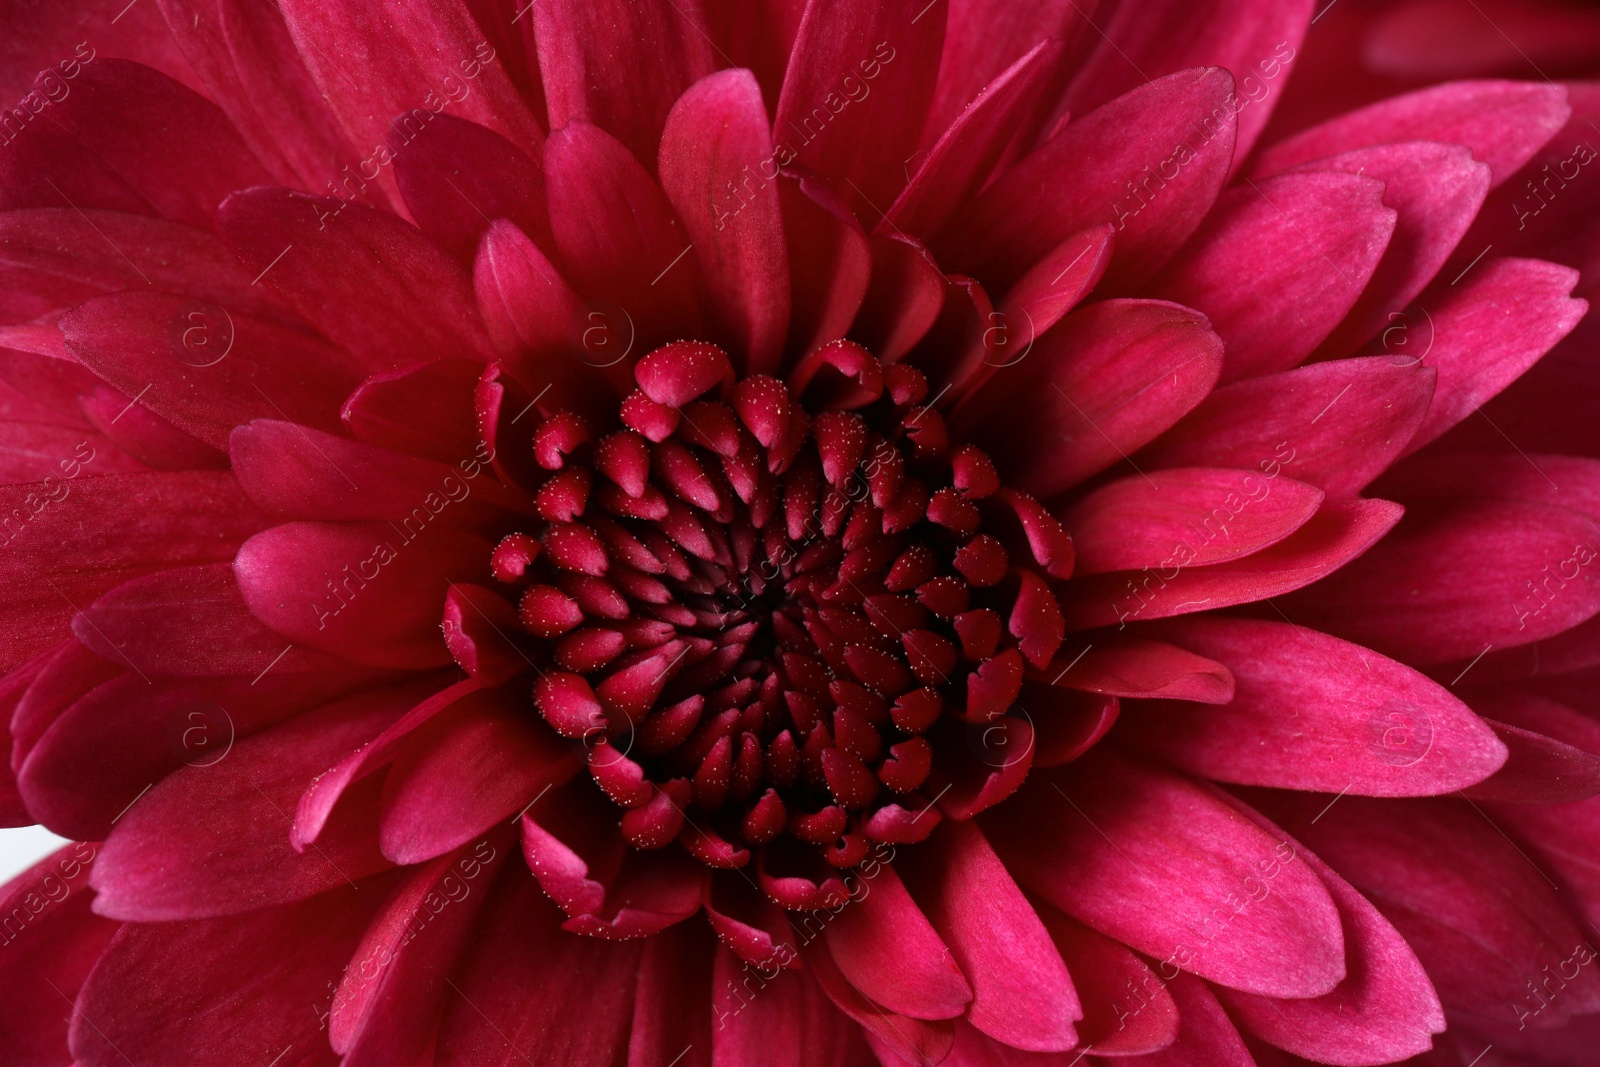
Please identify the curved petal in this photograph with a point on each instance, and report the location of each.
(1315, 713)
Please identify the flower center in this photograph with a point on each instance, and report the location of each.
(775, 611)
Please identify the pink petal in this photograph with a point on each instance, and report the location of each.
(889, 1034)
(248, 63)
(607, 888)
(1313, 239)
(188, 621)
(206, 369)
(112, 742)
(903, 300)
(1127, 1010)
(1340, 531)
(1504, 123)
(1336, 425)
(1475, 355)
(1435, 190)
(316, 804)
(858, 87)
(354, 272)
(1139, 667)
(669, 1004)
(1362, 724)
(386, 1008)
(1553, 750)
(1385, 1008)
(1137, 522)
(460, 176)
(1151, 162)
(617, 236)
(1482, 919)
(1105, 382)
(1021, 992)
(783, 1019)
(208, 841)
(295, 472)
(888, 951)
(1144, 856)
(52, 258)
(360, 590)
(1043, 296)
(144, 126)
(407, 67)
(965, 155)
(718, 170)
(1258, 42)
(424, 410)
(87, 536)
(584, 45)
(1206, 1036)
(1532, 577)
(473, 766)
(519, 1007)
(51, 941)
(197, 965)
(830, 261)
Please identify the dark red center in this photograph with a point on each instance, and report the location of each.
(780, 615)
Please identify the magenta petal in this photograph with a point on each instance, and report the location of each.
(1468, 344)
(467, 769)
(1363, 724)
(965, 155)
(1139, 667)
(1144, 856)
(1553, 750)
(53, 258)
(386, 1007)
(188, 621)
(50, 942)
(1258, 41)
(245, 57)
(887, 950)
(618, 238)
(1337, 534)
(889, 1034)
(1206, 1034)
(1503, 122)
(214, 840)
(1134, 522)
(296, 472)
(354, 272)
(1311, 239)
(1384, 1010)
(364, 591)
(584, 45)
(1481, 917)
(830, 261)
(1022, 994)
(90, 535)
(197, 965)
(1151, 162)
(443, 53)
(1336, 425)
(144, 126)
(718, 170)
(1436, 190)
(509, 1007)
(1531, 579)
(1098, 387)
(890, 53)
(460, 176)
(785, 1021)
(206, 369)
(424, 410)
(1127, 1010)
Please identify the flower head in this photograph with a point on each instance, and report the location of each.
(623, 531)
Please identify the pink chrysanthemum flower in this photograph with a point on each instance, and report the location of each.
(747, 532)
